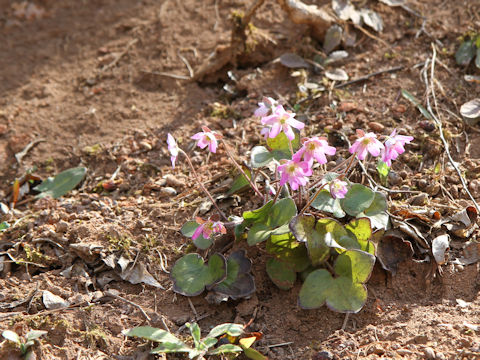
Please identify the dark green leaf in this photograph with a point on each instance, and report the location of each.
(282, 212)
(259, 232)
(227, 328)
(357, 199)
(260, 156)
(240, 182)
(378, 205)
(465, 52)
(195, 332)
(281, 274)
(289, 251)
(239, 282)
(415, 102)
(356, 265)
(325, 202)
(61, 184)
(190, 274)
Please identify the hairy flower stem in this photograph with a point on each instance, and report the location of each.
(340, 177)
(239, 168)
(333, 170)
(290, 146)
(203, 186)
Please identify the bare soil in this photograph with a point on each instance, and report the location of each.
(83, 78)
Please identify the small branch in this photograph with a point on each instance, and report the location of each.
(118, 297)
(20, 155)
(119, 56)
(366, 77)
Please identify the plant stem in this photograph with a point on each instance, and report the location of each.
(203, 186)
(290, 146)
(239, 168)
(312, 199)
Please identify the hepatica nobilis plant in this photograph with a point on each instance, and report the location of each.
(316, 225)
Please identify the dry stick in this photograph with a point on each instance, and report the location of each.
(248, 16)
(187, 64)
(119, 56)
(160, 73)
(239, 168)
(439, 124)
(118, 297)
(203, 186)
(366, 32)
(366, 77)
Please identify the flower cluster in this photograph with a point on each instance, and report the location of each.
(296, 172)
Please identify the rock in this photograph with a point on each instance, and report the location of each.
(440, 356)
(62, 227)
(52, 301)
(422, 184)
(429, 353)
(433, 189)
(323, 355)
(394, 178)
(376, 126)
(168, 191)
(419, 200)
(174, 181)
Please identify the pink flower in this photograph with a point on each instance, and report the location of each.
(173, 148)
(265, 106)
(338, 189)
(281, 120)
(394, 146)
(207, 138)
(208, 228)
(366, 143)
(294, 172)
(316, 148)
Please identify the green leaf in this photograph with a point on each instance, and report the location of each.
(477, 59)
(174, 347)
(152, 334)
(240, 182)
(289, 251)
(325, 202)
(378, 205)
(415, 102)
(225, 349)
(35, 334)
(282, 212)
(319, 236)
(361, 230)
(196, 333)
(4, 226)
(12, 336)
(314, 291)
(260, 156)
(208, 343)
(356, 265)
(258, 215)
(281, 274)
(200, 242)
(258, 233)
(465, 52)
(61, 184)
(280, 142)
(357, 199)
(230, 329)
(253, 354)
(239, 282)
(190, 275)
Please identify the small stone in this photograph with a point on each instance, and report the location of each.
(419, 200)
(429, 353)
(440, 356)
(174, 181)
(376, 126)
(403, 174)
(422, 184)
(433, 189)
(168, 191)
(377, 349)
(62, 227)
(323, 355)
(394, 178)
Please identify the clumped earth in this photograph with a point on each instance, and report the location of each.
(82, 81)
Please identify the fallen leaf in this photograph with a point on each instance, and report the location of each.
(52, 301)
(439, 246)
(293, 61)
(337, 75)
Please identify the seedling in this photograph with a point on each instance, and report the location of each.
(217, 342)
(29, 340)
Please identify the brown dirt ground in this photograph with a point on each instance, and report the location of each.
(54, 86)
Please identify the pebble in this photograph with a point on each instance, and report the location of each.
(429, 353)
(394, 178)
(419, 200)
(168, 191)
(174, 181)
(323, 355)
(62, 227)
(375, 126)
(433, 189)
(422, 184)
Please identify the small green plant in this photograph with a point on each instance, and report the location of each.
(209, 345)
(468, 50)
(29, 340)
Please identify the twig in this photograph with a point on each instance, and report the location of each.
(280, 344)
(251, 11)
(119, 56)
(345, 321)
(174, 76)
(187, 64)
(430, 88)
(118, 297)
(19, 156)
(192, 307)
(370, 35)
(366, 77)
